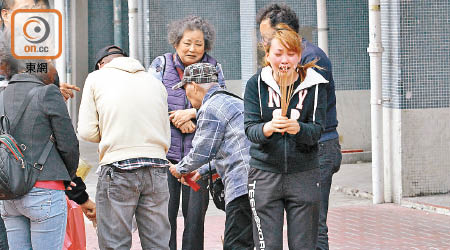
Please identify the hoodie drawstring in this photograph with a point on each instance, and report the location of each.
(259, 94)
(315, 103)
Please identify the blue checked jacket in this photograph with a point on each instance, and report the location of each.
(220, 138)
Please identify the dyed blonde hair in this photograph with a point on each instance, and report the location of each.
(292, 41)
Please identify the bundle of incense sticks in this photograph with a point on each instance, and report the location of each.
(286, 90)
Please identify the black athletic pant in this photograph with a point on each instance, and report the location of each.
(272, 194)
(238, 225)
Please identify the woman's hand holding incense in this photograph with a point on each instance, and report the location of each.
(281, 124)
(292, 126)
(276, 125)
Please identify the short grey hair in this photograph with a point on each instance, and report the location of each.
(207, 86)
(178, 27)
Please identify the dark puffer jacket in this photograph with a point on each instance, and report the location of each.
(165, 68)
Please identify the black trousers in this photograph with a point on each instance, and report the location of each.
(238, 224)
(194, 206)
(3, 237)
(330, 157)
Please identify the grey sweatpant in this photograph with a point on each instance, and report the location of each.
(271, 194)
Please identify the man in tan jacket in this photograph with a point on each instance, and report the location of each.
(124, 109)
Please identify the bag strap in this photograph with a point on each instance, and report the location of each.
(225, 93)
(163, 65)
(4, 122)
(22, 108)
(211, 183)
(44, 155)
(2, 105)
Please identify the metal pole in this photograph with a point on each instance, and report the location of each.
(133, 28)
(248, 40)
(60, 62)
(375, 51)
(72, 103)
(67, 44)
(146, 33)
(118, 23)
(141, 31)
(322, 25)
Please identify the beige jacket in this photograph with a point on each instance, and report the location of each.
(124, 109)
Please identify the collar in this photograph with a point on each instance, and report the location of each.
(24, 77)
(312, 78)
(210, 92)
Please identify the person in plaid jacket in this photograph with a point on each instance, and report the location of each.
(220, 138)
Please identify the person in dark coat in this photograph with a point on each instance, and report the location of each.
(330, 155)
(45, 118)
(284, 174)
(46, 114)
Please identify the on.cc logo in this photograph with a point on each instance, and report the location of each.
(36, 29)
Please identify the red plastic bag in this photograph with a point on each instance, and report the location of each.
(75, 232)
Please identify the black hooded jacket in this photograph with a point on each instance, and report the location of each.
(285, 153)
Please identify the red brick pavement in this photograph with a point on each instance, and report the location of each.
(387, 226)
(214, 227)
(384, 226)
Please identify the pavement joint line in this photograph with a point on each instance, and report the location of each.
(425, 207)
(404, 203)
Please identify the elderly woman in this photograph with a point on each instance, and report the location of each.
(191, 38)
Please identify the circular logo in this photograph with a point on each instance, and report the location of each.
(36, 29)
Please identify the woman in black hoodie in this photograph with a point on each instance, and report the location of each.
(284, 172)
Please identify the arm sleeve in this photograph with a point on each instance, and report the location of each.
(311, 131)
(78, 193)
(63, 132)
(204, 170)
(166, 120)
(207, 140)
(157, 67)
(88, 120)
(252, 113)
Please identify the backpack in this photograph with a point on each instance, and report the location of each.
(17, 175)
(216, 187)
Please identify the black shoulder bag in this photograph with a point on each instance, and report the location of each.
(216, 187)
(17, 175)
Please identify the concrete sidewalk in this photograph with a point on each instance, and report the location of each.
(354, 223)
(356, 180)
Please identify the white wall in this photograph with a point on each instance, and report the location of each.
(425, 151)
(353, 114)
(235, 87)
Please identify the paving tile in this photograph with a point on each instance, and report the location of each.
(385, 226)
